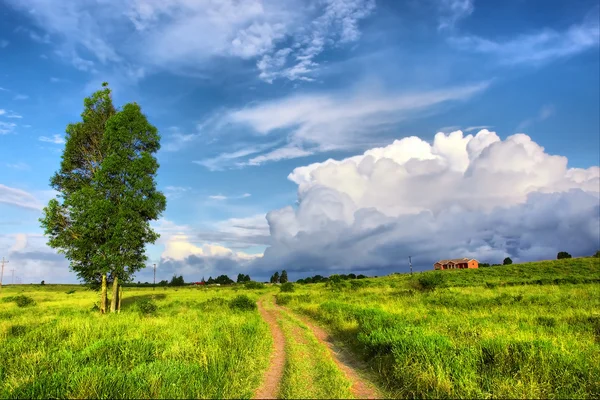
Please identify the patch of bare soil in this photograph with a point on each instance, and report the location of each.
(361, 389)
(270, 386)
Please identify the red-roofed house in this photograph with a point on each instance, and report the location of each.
(456, 263)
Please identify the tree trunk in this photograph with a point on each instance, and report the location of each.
(115, 295)
(120, 297)
(103, 296)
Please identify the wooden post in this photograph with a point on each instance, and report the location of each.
(103, 296)
(120, 297)
(115, 295)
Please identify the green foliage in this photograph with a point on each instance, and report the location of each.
(17, 330)
(20, 300)
(284, 277)
(241, 278)
(597, 255)
(224, 280)
(430, 281)
(177, 281)
(146, 306)
(275, 278)
(507, 261)
(563, 254)
(70, 291)
(242, 303)
(287, 287)
(42, 282)
(107, 192)
(254, 285)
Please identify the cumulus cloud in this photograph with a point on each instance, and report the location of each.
(460, 196)
(33, 260)
(194, 253)
(539, 47)
(283, 36)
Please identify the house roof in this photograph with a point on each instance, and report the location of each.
(455, 261)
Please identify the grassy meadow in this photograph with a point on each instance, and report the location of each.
(193, 345)
(522, 331)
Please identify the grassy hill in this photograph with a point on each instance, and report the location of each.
(528, 330)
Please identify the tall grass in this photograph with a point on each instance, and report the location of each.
(187, 346)
(467, 338)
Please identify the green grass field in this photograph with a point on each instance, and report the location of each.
(521, 331)
(193, 346)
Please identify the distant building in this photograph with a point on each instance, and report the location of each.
(456, 263)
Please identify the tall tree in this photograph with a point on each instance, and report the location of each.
(107, 194)
(284, 277)
(275, 278)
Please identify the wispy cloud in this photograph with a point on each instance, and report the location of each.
(545, 112)
(19, 166)
(539, 47)
(19, 198)
(56, 139)
(341, 121)
(451, 11)
(4, 43)
(7, 127)
(283, 36)
(232, 159)
(21, 97)
(221, 197)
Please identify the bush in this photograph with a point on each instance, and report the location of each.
(42, 282)
(23, 301)
(507, 261)
(70, 291)
(242, 303)
(146, 306)
(214, 304)
(17, 330)
(597, 255)
(254, 285)
(288, 287)
(430, 281)
(563, 254)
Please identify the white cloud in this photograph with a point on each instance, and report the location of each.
(226, 160)
(539, 47)
(545, 112)
(472, 196)
(19, 166)
(19, 198)
(7, 127)
(218, 197)
(175, 192)
(221, 197)
(325, 122)
(184, 35)
(451, 11)
(56, 139)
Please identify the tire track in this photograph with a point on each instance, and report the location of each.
(269, 389)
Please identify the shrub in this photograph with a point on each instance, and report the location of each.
(288, 287)
(24, 301)
(283, 299)
(214, 304)
(146, 306)
(356, 285)
(70, 291)
(490, 285)
(429, 281)
(254, 285)
(507, 261)
(42, 282)
(17, 330)
(242, 303)
(563, 254)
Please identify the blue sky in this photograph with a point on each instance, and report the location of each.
(253, 96)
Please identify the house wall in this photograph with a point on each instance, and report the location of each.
(473, 264)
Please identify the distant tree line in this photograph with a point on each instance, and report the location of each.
(507, 261)
(320, 278)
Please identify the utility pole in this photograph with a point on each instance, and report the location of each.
(2, 273)
(410, 264)
(154, 287)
